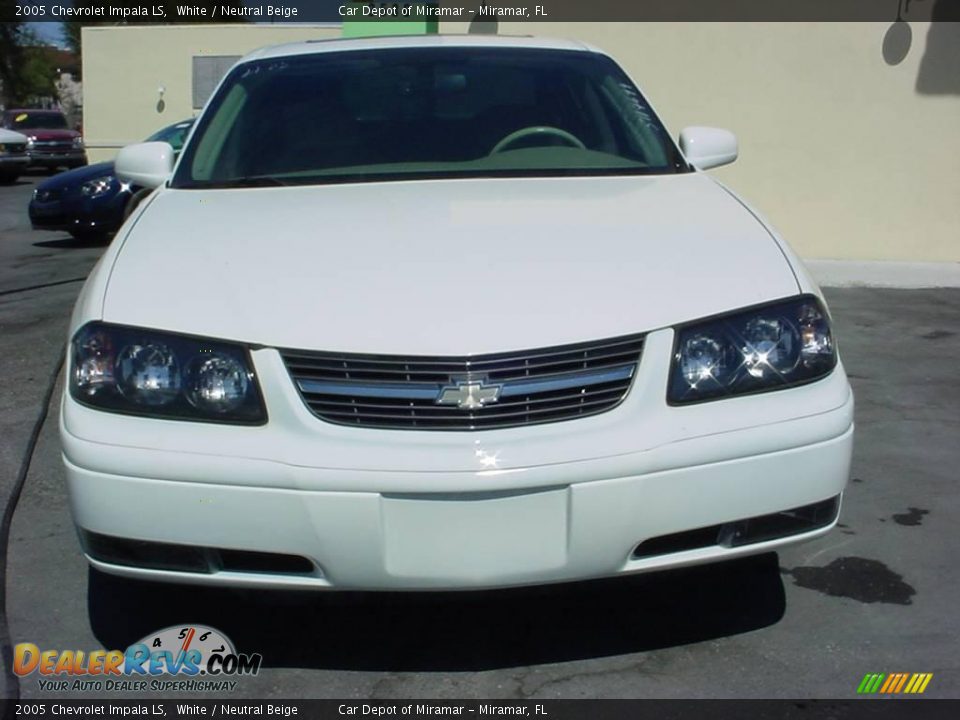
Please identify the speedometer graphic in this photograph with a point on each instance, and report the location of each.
(182, 643)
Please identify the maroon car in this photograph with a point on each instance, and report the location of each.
(51, 143)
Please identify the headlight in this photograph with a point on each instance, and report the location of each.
(78, 141)
(30, 142)
(98, 186)
(146, 372)
(766, 348)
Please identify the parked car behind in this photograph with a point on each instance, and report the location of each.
(90, 202)
(50, 141)
(13, 155)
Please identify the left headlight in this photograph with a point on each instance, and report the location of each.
(78, 141)
(163, 375)
(98, 186)
(765, 348)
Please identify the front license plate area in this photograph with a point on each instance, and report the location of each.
(475, 537)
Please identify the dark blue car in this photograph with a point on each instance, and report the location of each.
(91, 202)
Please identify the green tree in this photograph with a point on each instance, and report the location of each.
(71, 35)
(38, 74)
(12, 35)
(26, 72)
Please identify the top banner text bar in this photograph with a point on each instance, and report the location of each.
(502, 11)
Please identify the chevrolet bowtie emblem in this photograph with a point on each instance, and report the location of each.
(469, 395)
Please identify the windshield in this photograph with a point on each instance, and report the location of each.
(425, 112)
(37, 121)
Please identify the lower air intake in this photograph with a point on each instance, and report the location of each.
(190, 558)
(744, 532)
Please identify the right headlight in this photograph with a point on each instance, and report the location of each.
(163, 375)
(98, 186)
(764, 348)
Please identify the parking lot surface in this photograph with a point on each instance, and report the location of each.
(876, 595)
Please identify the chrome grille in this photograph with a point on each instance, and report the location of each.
(52, 147)
(404, 392)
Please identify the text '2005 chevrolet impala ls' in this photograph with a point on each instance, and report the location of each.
(444, 313)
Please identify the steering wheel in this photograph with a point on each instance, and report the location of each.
(510, 139)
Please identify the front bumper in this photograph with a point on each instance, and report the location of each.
(379, 510)
(381, 541)
(55, 159)
(75, 213)
(13, 163)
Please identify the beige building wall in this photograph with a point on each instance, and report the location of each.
(124, 68)
(849, 156)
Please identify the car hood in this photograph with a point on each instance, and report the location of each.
(72, 178)
(49, 134)
(445, 266)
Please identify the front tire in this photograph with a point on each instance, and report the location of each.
(8, 178)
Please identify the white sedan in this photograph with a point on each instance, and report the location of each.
(444, 313)
(13, 155)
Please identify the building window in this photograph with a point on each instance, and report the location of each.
(207, 72)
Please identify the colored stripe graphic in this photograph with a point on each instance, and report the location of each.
(924, 680)
(894, 683)
(891, 683)
(870, 683)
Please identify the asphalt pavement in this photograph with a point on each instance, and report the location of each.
(877, 595)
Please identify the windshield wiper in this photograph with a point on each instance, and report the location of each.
(241, 182)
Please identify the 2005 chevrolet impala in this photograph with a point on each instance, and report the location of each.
(440, 313)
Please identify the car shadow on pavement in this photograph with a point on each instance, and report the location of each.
(71, 243)
(466, 631)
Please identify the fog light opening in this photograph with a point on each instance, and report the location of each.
(190, 558)
(748, 531)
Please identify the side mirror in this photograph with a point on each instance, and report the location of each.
(707, 147)
(146, 164)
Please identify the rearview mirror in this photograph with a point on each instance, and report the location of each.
(146, 164)
(707, 147)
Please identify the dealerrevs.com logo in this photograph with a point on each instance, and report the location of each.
(181, 657)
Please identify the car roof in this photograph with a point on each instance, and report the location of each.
(310, 47)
